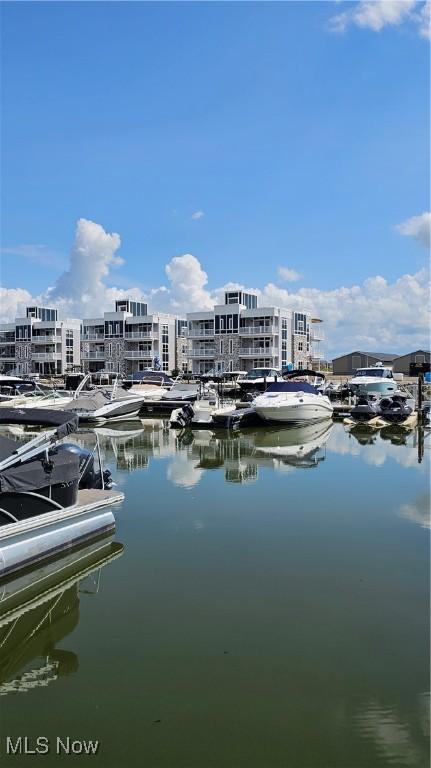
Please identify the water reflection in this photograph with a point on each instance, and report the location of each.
(395, 739)
(39, 608)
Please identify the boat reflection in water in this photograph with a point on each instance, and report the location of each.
(241, 454)
(41, 607)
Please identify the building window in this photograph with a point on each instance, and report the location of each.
(165, 347)
(221, 347)
(231, 346)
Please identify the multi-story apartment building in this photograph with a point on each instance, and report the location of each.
(40, 343)
(239, 335)
(317, 336)
(129, 339)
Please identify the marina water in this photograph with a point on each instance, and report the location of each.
(269, 608)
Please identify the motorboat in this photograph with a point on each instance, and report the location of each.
(39, 608)
(294, 401)
(257, 380)
(99, 405)
(28, 393)
(148, 377)
(200, 414)
(182, 391)
(373, 379)
(52, 495)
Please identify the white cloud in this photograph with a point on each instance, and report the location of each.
(418, 227)
(188, 281)
(13, 302)
(377, 14)
(377, 314)
(198, 215)
(288, 275)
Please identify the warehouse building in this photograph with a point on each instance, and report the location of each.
(346, 365)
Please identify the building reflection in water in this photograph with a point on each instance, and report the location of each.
(39, 608)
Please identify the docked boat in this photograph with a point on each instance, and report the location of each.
(294, 401)
(52, 496)
(378, 379)
(257, 380)
(155, 379)
(99, 405)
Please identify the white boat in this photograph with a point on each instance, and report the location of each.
(99, 405)
(27, 393)
(294, 402)
(51, 496)
(373, 379)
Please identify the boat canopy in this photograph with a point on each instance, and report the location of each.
(302, 372)
(291, 386)
(63, 421)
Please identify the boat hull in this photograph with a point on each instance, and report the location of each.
(29, 541)
(295, 413)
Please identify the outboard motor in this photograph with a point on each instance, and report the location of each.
(182, 417)
(88, 477)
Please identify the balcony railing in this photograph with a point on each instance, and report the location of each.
(48, 339)
(258, 351)
(140, 354)
(93, 355)
(6, 356)
(258, 330)
(202, 352)
(317, 335)
(200, 333)
(92, 336)
(7, 339)
(45, 356)
(140, 335)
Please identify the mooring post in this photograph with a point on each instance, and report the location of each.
(420, 397)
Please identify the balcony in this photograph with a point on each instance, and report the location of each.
(140, 335)
(138, 354)
(7, 339)
(316, 335)
(47, 339)
(200, 333)
(258, 352)
(258, 330)
(92, 336)
(93, 355)
(45, 356)
(202, 352)
(6, 356)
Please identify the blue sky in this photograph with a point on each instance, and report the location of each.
(302, 147)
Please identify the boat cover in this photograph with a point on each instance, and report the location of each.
(291, 386)
(64, 421)
(89, 402)
(61, 468)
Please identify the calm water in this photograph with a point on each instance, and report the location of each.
(268, 609)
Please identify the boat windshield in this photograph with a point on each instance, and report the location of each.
(375, 372)
(260, 373)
